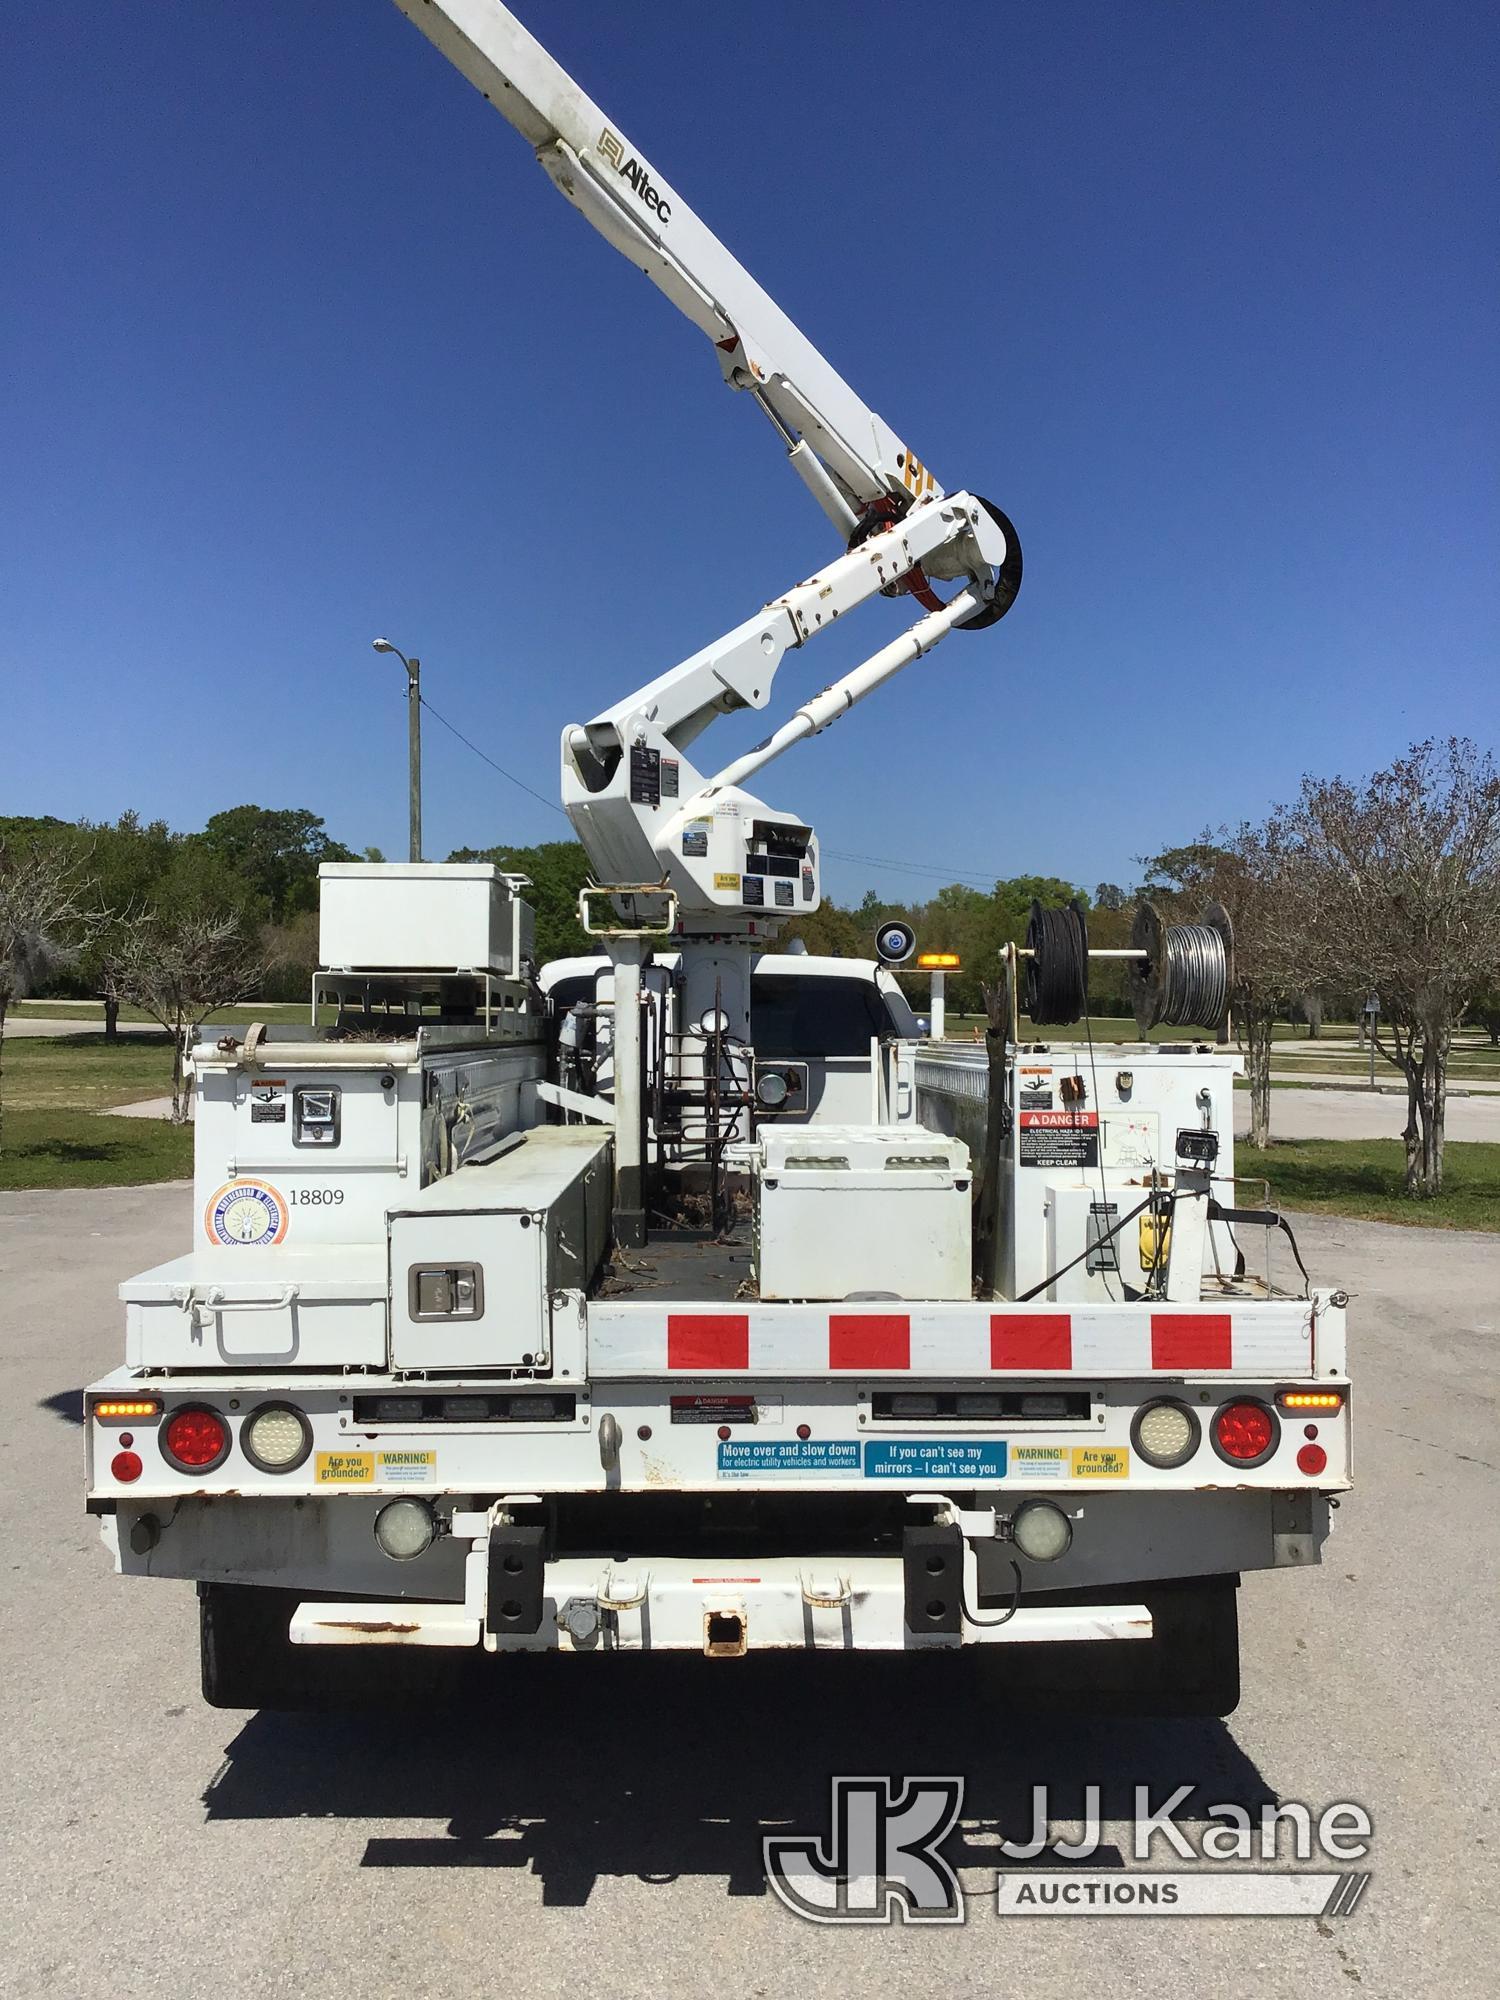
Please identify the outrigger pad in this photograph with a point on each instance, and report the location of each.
(932, 1566)
(513, 1601)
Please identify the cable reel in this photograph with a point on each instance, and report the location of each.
(1183, 976)
(1057, 968)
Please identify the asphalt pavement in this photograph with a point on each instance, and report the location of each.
(595, 1826)
(1357, 1112)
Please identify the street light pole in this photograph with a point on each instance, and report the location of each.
(413, 744)
(414, 756)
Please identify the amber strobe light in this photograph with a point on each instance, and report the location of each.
(143, 1406)
(1311, 1399)
(939, 961)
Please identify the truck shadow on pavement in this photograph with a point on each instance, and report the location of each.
(679, 1767)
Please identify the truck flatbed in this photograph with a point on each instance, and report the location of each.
(685, 1264)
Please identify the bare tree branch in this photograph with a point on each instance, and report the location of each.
(1402, 898)
(46, 919)
(179, 966)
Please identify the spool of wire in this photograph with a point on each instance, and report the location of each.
(1057, 972)
(1182, 979)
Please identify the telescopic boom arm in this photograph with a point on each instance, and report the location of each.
(848, 457)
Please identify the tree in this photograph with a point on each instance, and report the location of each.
(46, 916)
(127, 860)
(962, 920)
(1109, 896)
(1188, 871)
(829, 932)
(291, 955)
(179, 964)
(277, 853)
(1404, 879)
(1255, 874)
(556, 870)
(1310, 1006)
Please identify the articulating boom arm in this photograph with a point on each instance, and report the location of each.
(643, 812)
(647, 815)
(849, 459)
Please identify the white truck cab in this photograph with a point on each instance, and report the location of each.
(833, 1036)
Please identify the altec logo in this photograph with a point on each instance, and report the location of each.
(636, 172)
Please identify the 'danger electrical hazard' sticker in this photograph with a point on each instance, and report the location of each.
(1058, 1138)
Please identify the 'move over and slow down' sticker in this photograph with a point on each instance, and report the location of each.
(876, 1458)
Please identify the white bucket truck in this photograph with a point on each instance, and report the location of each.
(680, 1299)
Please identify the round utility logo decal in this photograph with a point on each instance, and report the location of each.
(246, 1212)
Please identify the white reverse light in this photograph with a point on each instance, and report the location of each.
(276, 1438)
(1041, 1531)
(405, 1528)
(1166, 1434)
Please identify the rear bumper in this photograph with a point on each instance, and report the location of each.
(326, 1547)
(673, 1604)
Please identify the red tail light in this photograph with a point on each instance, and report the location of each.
(1245, 1433)
(126, 1466)
(195, 1439)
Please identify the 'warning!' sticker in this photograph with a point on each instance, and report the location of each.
(1039, 1461)
(376, 1468)
(407, 1468)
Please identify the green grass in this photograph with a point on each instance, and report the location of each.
(1345, 1063)
(1365, 1177)
(57, 1089)
(72, 1149)
(63, 1073)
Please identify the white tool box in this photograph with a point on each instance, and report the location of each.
(322, 1307)
(476, 1257)
(844, 1211)
(418, 915)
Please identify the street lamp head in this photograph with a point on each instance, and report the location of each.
(383, 646)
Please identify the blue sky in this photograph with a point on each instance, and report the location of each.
(300, 346)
